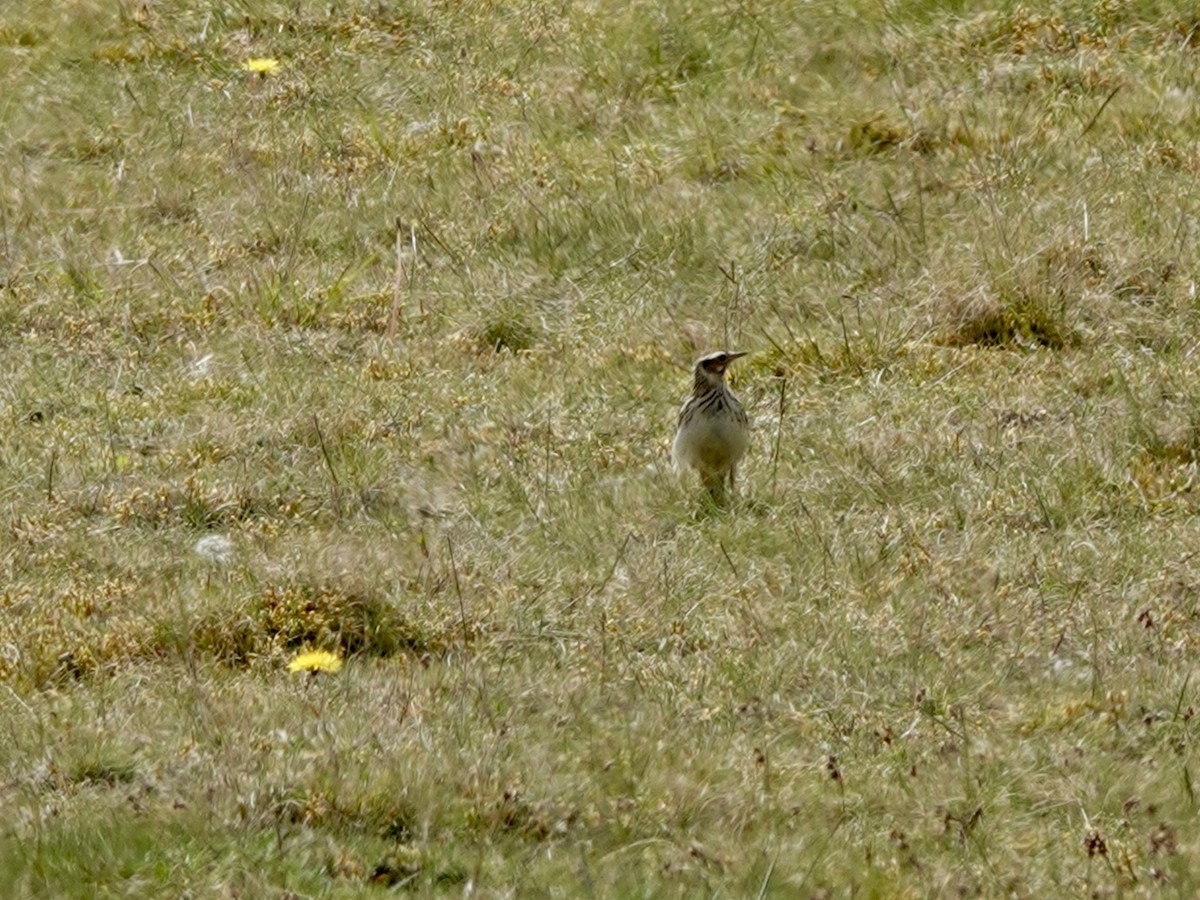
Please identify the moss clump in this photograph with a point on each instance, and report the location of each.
(1017, 319)
(508, 332)
(283, 618)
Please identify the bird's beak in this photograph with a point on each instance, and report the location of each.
(738, 354)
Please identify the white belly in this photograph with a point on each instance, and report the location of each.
(710, 445)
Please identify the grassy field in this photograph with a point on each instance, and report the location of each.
(376, 349)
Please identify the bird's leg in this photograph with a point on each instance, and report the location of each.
(715, 483)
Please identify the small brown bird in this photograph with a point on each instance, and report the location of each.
(713, 430)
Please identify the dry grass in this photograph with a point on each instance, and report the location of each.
(941, 646)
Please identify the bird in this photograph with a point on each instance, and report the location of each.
(713, 430)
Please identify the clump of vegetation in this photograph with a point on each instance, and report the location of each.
(1019, 318)
(508, 331)
(87, 627)
(877, 134)
(283, 618)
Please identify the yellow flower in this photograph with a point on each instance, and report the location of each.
(316, 661)
(263, 66)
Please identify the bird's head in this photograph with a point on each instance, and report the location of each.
(712, 366)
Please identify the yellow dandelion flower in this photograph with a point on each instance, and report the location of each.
(316, 661)
(263, 66)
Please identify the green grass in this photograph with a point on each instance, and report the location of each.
(943, 642)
